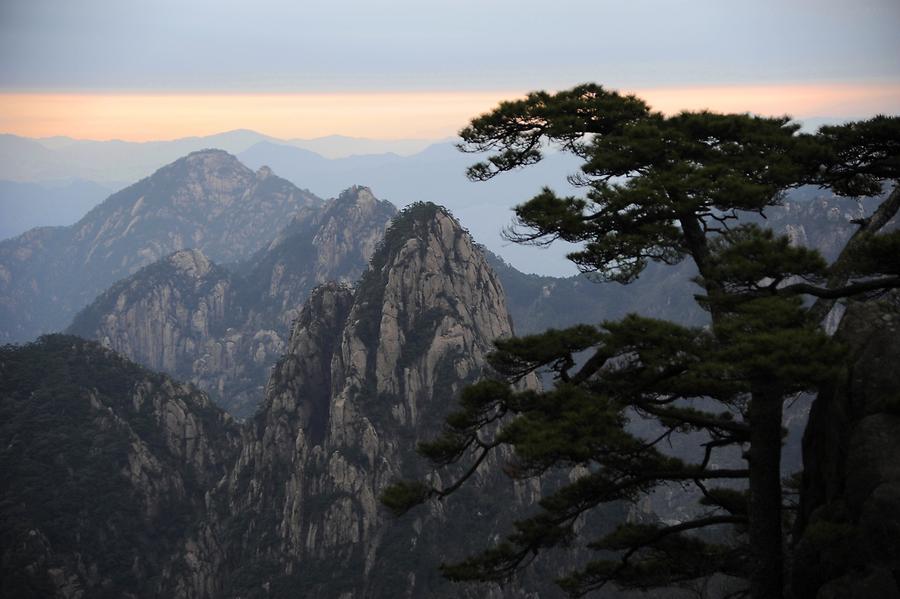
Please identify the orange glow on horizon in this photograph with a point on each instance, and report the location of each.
(145, 117)
(385, 115)
(799, 101)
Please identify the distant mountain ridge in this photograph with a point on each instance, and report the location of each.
(206, 200)
(25, 159)
(405, 172)
(401, 171)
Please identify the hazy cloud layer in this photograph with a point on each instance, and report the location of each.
(461, 44)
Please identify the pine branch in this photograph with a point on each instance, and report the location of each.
(840, 271)
(833, 293)
(740, 430)
(581, 585)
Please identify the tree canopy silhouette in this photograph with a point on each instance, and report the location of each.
(665, 188)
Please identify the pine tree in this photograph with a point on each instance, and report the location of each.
(666, 189)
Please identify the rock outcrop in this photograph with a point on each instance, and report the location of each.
(366, 375)
(224, 330)
(206, 200)
(122, 482)
(334, 244)
(164, 314)
(849, 523)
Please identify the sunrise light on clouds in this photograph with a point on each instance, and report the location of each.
(101, 69)
(413, 115)
(142, 117)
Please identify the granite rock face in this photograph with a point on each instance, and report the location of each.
(206, 200)
(849, 524)
(173, 499)
(224, 330)
(366, 375)
(334, 244)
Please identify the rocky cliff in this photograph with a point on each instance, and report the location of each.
(334, 244)
(206, 200)
(849, 525)
(121, 482)
(366, 375)
(106, 473)
(224, 329)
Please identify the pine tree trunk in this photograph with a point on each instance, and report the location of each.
(766, 552)
(764, 514)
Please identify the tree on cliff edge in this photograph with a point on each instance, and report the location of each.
(665, 189)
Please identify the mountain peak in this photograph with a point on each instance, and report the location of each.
(429, 278)
(359, 198)
(210, 156)
(208, 152)
(424, 212)
(365, 376)
(206, 200)
(355, 190)
(207, 167)
(426, 227)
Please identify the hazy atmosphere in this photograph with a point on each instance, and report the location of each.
(408, 69)
(491, 299)
(400, 76)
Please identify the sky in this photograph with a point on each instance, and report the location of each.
(161, 69)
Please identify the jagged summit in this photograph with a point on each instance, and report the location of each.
(430, 229)
(223, 329)
(431, 281)
(335, 242)
(210, 167)
(359, 197)
(357, 194)
(366, 375)
(421, 220)
(423, 212)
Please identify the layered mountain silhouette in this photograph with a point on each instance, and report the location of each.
(188, 509)
(25, 159)
(207, 201)
(343, 331)
(223, 329)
